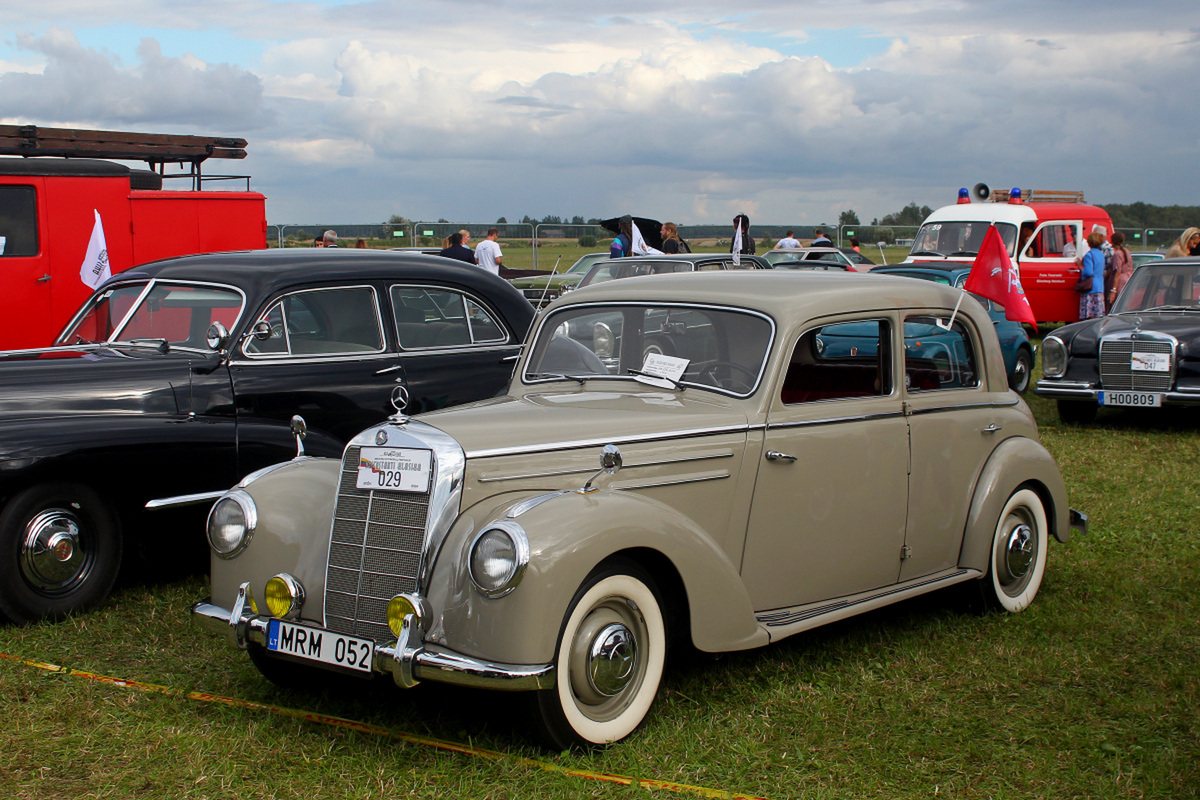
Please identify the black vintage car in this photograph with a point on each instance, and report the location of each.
(1145, 353)
(178, 378)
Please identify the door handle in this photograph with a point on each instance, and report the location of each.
(510, 359)
(775, 455)
(992, 428)
(44, 278)
(392, 368)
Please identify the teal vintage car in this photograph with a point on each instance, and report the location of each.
(1014, 341)
(541, 289)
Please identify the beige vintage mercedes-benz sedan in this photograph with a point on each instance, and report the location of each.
(722, 459)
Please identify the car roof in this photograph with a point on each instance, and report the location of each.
(949, 267)
(261, 273)
(786, 295)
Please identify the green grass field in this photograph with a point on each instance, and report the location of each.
(1094, 692)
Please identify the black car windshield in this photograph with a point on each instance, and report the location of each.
(1164, 286)
(176, 313)
(713, 348)
(958, 239)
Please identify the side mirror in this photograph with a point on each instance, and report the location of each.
(217, 337)
(261, 330)
(610, 462)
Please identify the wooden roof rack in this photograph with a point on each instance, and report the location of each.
(153, 148)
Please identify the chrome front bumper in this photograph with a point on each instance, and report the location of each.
(1081, 390)
(408, 661)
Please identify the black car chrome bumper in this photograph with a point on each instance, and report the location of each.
(1081, 390)
(407, 662)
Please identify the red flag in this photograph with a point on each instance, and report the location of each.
(994, 276)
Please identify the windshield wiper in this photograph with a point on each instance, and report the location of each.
(644, 374)
(580, 378)
(927, 253)
(1170, 308)
(964, 253)
(161, 345)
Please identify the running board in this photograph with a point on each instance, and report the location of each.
(787, 621)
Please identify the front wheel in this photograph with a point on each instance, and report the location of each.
(609, 661)
(1074, 412)
(1018, 555)
(60, 550)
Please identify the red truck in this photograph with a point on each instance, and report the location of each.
(61, 205)
(1045, 232)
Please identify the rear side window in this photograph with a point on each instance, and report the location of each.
(18, 221)
(936, 358)
(847, 359)
(322, 322)
(431, 317)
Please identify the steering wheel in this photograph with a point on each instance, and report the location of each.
(730, 383)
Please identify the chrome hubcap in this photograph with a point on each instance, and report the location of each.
(611, 660)
(1019, 551)
(52, 557)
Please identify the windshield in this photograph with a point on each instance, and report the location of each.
(714, 348)
(177, 313)
(959, 239)
(790, 258)
(1155, 286)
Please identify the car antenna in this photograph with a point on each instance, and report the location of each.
(546, 288)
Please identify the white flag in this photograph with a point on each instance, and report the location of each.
(737, 241)
(638, 246)
(95, 270)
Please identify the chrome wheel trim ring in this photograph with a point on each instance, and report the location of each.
(606, 662)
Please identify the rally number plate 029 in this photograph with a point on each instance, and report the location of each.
(398, 469)
(1138, 399)
(320, 645)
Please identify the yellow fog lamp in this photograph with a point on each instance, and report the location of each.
(401, 606)
(284, 596)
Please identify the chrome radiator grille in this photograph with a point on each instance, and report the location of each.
(374, 555)
(1115, 370)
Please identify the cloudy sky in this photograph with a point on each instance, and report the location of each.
(789, 110)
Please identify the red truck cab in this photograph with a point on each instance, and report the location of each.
(48, 208)
(1045, 233)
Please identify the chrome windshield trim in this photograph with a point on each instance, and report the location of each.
(579, 444)
(542, 322)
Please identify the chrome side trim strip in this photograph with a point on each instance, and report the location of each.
(185, 500)
(589, 470)
(843, 607)
(960, 406)
(672, 482)
(808, 423)
(579, 444)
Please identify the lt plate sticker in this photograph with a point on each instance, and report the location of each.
(396, 469)
(1150, 362)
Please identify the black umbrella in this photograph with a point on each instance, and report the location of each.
(651, 229)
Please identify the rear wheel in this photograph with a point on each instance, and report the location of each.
(60, 550)
(1018, 381)
(609, 660)
(1018, 555)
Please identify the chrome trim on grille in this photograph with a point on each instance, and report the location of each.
(383, 543)
(1116, 354)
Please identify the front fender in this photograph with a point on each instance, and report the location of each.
(295, 503)
(1014, 462)
(569, 535)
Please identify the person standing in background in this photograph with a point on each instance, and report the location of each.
(672, 242)
(1091, 302)
(789, 242)
(456, 250)
(820, 239)
(622, 244)
(1188, 244)
(1122, 270)
(741, 231)
(487, 253)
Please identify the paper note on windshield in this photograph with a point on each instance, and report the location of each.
(662, 371)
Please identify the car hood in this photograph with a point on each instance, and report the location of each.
(554, 281)
(1084, 337)
(564, 420)
(64, 381)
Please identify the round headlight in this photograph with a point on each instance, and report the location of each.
(231, 524)
(498, 558)
(1054, 357)
(284, 596)
(602, 340)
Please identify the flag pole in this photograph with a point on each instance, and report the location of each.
(947, 326)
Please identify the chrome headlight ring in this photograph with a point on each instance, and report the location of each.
(497, 558)
(1054, 357)
(231, 524)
